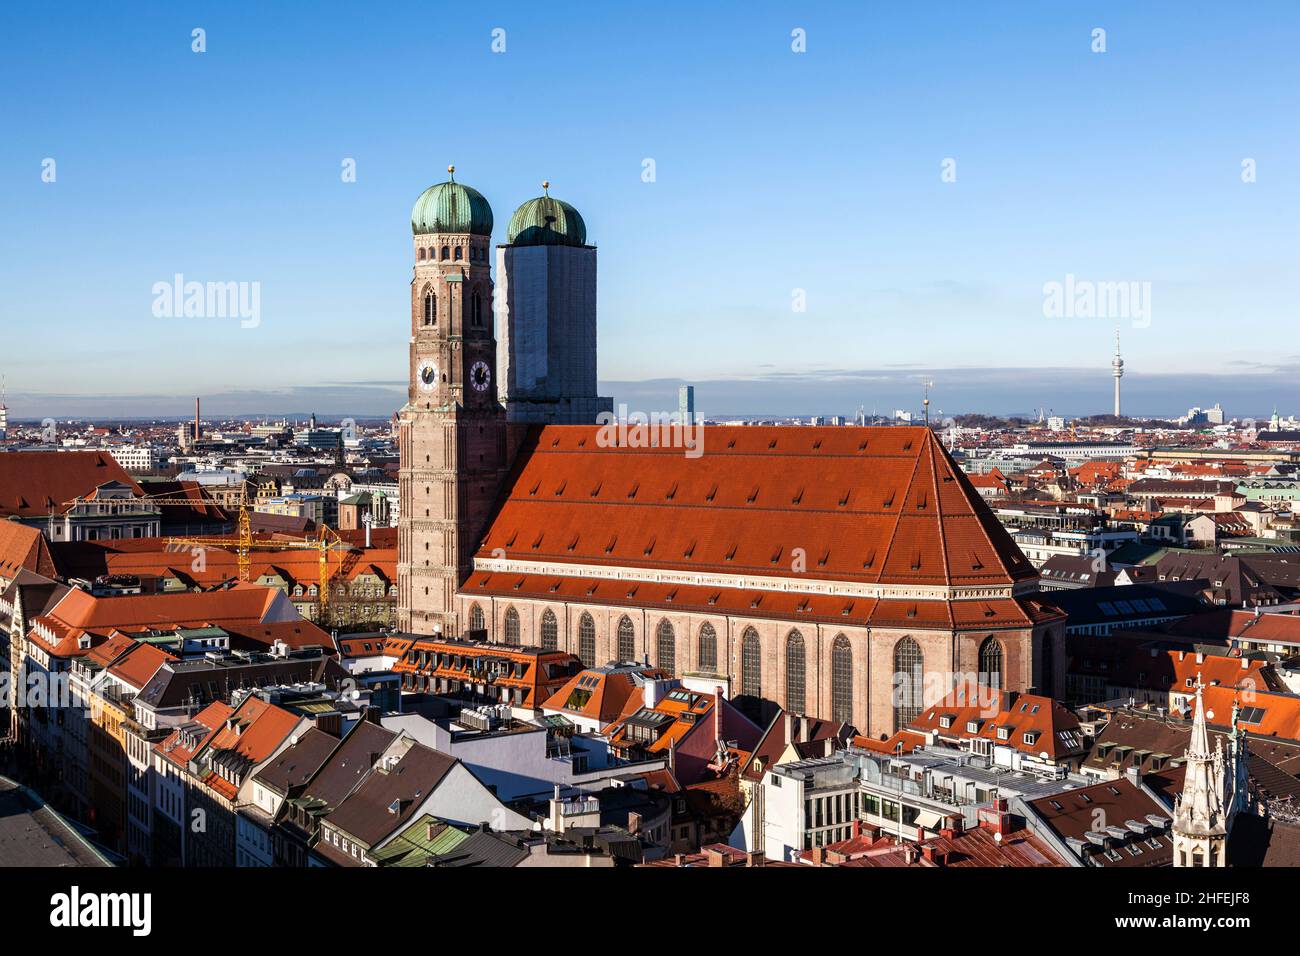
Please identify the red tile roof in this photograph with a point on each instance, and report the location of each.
(1031, 724)
(34, 484)
(868, 505)
(23, 547)
(780, 605)
(601, 693)
(80, 613)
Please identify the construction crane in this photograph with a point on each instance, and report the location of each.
(326, 541)
(243, 544)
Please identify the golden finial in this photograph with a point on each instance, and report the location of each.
(451, 171)
(546, 185)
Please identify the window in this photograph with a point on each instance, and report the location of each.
(667, 648)
(446, 252)
(990, 673)
(587, 640)
(708, 648)
(478, 309)
(751, 668)
(550, 631)
(795, 683)
(512, 626)
(430, 308)
(476, 618)
(626, 639)
(458, 253)
(909, 665)
(842, 680)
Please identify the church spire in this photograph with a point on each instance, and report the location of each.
(1200, 811)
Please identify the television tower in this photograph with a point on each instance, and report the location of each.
(1117, 370)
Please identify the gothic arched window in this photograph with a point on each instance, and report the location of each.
(550, 631)
(430, 307)
(512, 626)
(478, 309)
(751, 665)
(476, 618)
(842, 680)
(990, 672)
(446, 252)
(708, 648)
(667, 648)
(419, 253)
(457, 253)
(795, 683)
(587, 640)
(909, 666)
(626, 639)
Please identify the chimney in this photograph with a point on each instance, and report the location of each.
(804, 729)
(717, 712)
(757, 858)
(819, 856)
(431, 830)
(1133, 774)
(857, 829)
(633, 823)
(715, 857)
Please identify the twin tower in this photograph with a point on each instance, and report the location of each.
(468, 400)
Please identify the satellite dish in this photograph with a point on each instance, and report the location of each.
(1209, 715)
(1043, 755)
(997, 838)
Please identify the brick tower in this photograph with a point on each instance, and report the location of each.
(452, 428)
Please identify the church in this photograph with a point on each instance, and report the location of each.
(849, 573)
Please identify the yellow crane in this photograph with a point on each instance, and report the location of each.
(242, 543)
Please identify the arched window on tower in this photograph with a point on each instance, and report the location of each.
(795, 684)
(626, 639)
(478, 309)
(708, 648)
(666, 640)
(587, 640)
(512, 626)
(419, 253)
(457, 257)
(990, 672)
(842, 680)
(430, 308)
(476, 618)
(550, 631)
(446, 252)
(751, 665)
(909, 667)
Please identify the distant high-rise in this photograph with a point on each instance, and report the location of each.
(1117, 370)
(686, 404)
(4, 413)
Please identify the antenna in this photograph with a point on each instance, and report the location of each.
(925, 402)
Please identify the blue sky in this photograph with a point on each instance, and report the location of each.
(776, 171)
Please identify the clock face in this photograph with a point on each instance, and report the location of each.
(480, 376)
(427, 375)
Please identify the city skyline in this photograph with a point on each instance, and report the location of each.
(704, 270)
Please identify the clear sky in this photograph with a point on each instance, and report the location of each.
(775, 171)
